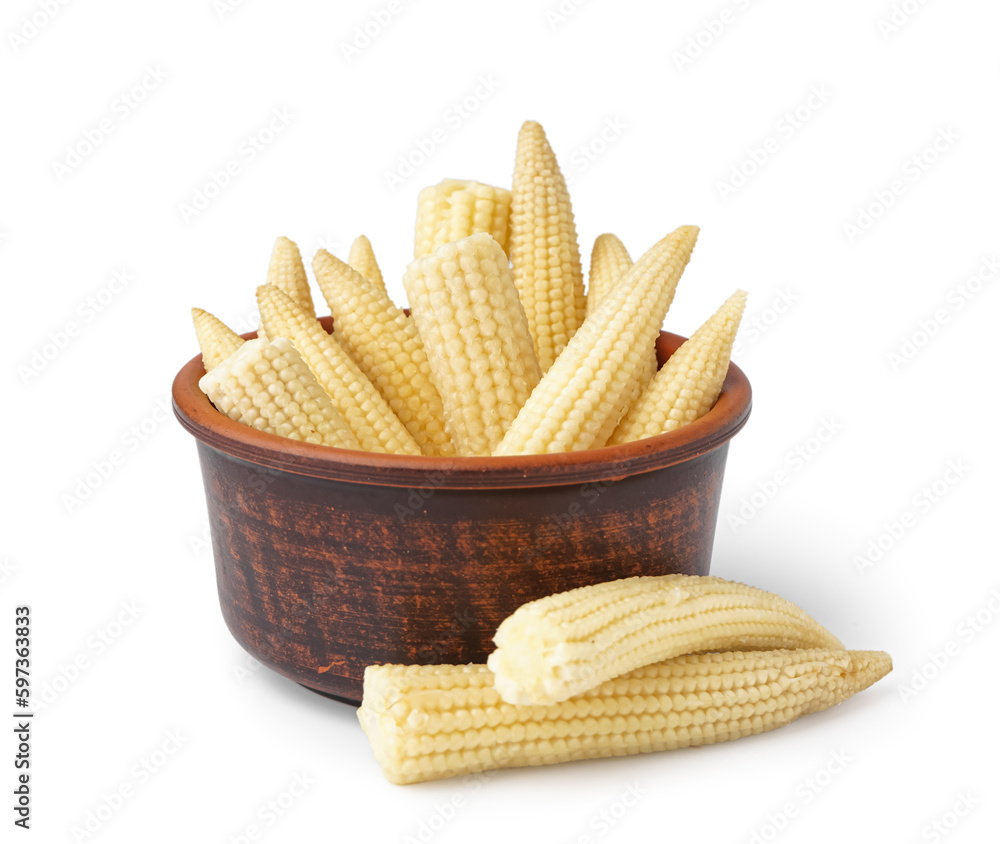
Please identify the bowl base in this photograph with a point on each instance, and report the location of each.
(347, 700)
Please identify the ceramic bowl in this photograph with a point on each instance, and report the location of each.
(329, 560)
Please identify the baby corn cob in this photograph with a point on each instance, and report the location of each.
(543, 247)
(551, 649)
(288, 274)
(454, 209)
(216, 340)
(636, 386)
(374, 424)
(475, 333)
(689, 383)
(268, 386)
(609, 261)
(362, 259)
(589, 383)
(386, 345)
(428, 722)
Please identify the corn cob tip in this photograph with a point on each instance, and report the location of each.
(868, 667)
(324, 258)
(362, 258)
(608, 240)
(609, 261)
(360, 246)
(287, 272)
(216, 340)
(688, 385)
(325, 263)
(736, 303)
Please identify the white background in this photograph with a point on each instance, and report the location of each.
(918, 744)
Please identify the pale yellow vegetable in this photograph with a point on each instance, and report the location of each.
(268, 386)
(589, 384)
(561, 645)
(387, 347)
(362, 259)
(637, 384)
(288, 274)
(482, 360)
(216, 340)
(609, 261)
(428, 722)
(371, 419)
(455, 209)
(543, 247)
(689, 383)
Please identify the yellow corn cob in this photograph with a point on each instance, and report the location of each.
(690, 381)
(386, 345)
(268, 386)
(551, 649)
(216, 340)
(288, 274)
(475, 333)
(362, 259)
(543, 247)
(589, 383)
(428, 722)
(369, 417)
(455, 209)
(637, 384)
(609, 261)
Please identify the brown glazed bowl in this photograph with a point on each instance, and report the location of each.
(329, 560)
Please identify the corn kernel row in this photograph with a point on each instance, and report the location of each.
(427, 722)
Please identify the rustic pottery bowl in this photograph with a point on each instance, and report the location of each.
(330, 560)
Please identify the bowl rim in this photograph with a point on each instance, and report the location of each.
(200, 418)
